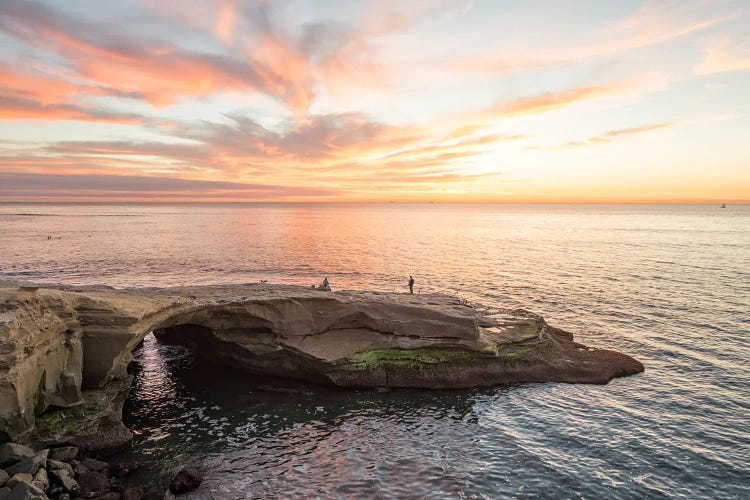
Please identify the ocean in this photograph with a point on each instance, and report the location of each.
(667, 284)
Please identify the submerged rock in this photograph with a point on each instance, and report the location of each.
(186, 480)
(133, 494)
(122, 469)
(69, 347)
(93, 483)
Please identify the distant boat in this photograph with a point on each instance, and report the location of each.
(723, 205)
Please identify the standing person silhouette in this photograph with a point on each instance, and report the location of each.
(411, 284)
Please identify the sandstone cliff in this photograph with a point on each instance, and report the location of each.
(65, 347)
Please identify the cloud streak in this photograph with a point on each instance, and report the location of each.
(612, 136)
(35, 186)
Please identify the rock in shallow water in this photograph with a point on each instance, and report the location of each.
(93, 483)
(186, 480)
(132, 494)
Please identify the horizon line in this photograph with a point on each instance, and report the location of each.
(376, 202)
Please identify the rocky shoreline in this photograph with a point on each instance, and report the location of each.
(64, 351)
(60, 474)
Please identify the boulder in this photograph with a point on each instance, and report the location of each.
(26, 491)
(4, 476)
(4, 492)
(19, 478)
(41, 480)
(64, 478)
(29, 465)
(63, 453)
(57, 465)
(11, 453)
(186, 480)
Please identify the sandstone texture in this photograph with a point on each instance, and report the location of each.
(64, 350)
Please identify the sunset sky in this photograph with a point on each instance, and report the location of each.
(445, 100)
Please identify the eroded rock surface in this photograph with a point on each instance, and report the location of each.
(67, 348)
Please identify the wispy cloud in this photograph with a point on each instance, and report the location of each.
(725, 54)
(611, 136)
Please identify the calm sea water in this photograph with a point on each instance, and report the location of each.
(667, 284)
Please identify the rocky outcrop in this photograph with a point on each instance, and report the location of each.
(64, 351)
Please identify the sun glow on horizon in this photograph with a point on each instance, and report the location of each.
(442, 100)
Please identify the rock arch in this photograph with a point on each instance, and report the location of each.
(62, 345)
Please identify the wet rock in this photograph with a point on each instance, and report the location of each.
(132, 494)
(4, 492)
(26, 491)
(122, 469)
(41, 480)
(63, 453)
(64, 479)
(93, 482)
(11, 453)
(110, 436)
(4, 476)
(186, 480)
(19, 478)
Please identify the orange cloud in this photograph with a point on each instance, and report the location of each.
(161, 73)
(552, 100)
